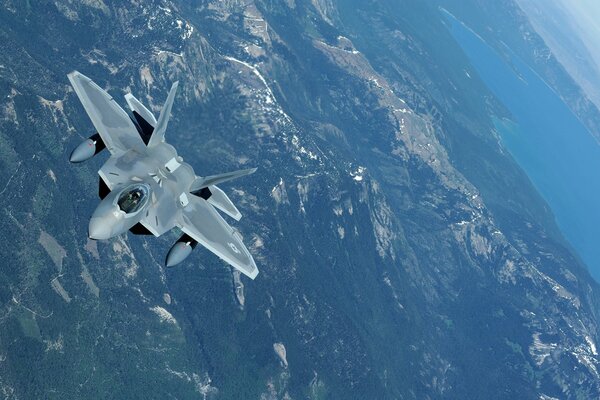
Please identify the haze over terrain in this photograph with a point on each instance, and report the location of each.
(571, 29)
(404, 253)
(550, 143)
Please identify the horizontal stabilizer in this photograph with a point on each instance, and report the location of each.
(206, 181)
(219, 199)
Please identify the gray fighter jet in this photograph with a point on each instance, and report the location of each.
(146, 187)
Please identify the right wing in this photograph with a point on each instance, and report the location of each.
(204, 224)
(112, 123)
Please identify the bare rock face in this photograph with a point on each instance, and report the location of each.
(279, 349)
(403, 254)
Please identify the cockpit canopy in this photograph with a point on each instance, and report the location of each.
(133, 198)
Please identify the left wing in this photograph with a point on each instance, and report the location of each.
(204, 224)
(112, 122)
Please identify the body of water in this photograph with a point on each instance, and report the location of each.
(556, 151)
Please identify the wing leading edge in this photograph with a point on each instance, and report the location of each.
(204, 224)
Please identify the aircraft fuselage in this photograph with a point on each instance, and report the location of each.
(163, 178)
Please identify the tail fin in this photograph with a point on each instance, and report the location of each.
(161, 126)
(144, 117)
(136, 106)
(206, 181)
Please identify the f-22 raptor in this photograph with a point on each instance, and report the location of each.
(146, 187)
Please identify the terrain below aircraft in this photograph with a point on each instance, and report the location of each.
(146, 188)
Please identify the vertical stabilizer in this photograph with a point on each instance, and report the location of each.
(206, 181)
(137, 106)
(158, 135)
(219, 199)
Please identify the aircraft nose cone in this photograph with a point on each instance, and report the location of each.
(99, 229)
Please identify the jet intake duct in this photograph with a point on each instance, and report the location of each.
(180, 250)
(87, 149)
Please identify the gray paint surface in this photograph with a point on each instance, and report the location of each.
(168, 178)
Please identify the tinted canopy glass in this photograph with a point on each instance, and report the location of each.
(133, 198)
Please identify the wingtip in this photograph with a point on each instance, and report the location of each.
(72, 76)
(76, 76)
(252, 275)
(249, 171)
(255, 271)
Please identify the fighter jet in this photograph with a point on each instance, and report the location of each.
(146, 188)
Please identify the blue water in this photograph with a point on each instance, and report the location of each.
(556, 151)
